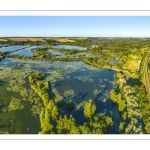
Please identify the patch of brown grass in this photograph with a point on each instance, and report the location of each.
(18, 39)
(26, 39)
(36, 39)
(3, 40)
(63, 40)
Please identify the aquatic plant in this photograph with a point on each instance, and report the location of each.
(15, 104)
(60, 71)
(69, 92)
(95, 92)
(84, 78)
(58, 98)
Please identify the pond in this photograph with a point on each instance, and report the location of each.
(54, 54)
(26, 51)
(20, 106)
(11, 48)
(68, 47)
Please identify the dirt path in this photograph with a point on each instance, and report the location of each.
(146, 80)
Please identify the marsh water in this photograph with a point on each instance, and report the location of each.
(69, 47)
(78, 82)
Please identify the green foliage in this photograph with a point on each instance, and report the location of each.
(124, 116)
(67, 125)
(89, 109)
(19, 65)
(122, 126)
(130, 113)
(60, 71)
(52, 122)
(33, 78)
(147, 128)
(85, 129)
(70, 105)
(48, 118)
(117, 98)
(98, 124)
(144, 105)
(40, 86)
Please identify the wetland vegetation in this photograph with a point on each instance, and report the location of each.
(73, 86)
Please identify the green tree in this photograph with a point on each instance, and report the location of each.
(49, 117)
(89, 109)
(122, 126)
(70, 105)
(67, 125)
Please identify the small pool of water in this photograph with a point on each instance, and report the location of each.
(68, 47)
(54, 54)
(113, 62)
(26, 51)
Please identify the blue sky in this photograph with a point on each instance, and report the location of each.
(74, 26)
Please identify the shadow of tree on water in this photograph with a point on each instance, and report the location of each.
(2, 83)
(50, 93)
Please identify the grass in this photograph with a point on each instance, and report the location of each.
(63, 40)
(132, 63)
(26, 39)
(18, 39)
(36, 39)
(3, 40)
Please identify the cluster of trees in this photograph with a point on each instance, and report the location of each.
(40, 86)
(127, 101)
(65, 59)
(53, 122)
(91, 61)
(134, 117)
(144, 106)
